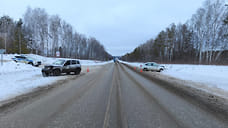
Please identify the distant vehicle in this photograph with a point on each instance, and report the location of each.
(62, 66)
(116, 60)
(27, 60)
(152, 66)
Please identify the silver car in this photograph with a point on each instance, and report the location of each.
(62, 66)
(152, 66)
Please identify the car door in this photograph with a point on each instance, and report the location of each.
(66, 66)
(152, 66)
(78, 64)
(156, 67)
(73, 65)
(23, 59)
(146, 66)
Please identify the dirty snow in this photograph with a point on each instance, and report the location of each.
(19, 78)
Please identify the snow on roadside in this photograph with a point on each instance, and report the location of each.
(211, 76)
(19, 78)
(18, 83)
(12, 67)
(50, 60)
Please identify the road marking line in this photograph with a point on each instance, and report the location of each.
(107, 113)
(124, 122)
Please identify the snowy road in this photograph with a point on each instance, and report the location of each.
(113, 96)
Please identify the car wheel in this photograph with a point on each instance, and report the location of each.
(56, 72)
(30, 63)
(160, 70)
(77, 71)
(145, 69)
(44, 74)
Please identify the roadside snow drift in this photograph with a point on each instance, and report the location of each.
(210, 75)
(19, 78)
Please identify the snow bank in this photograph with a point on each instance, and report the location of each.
(210, 75)
(50, 60)
(12, 67)
(18, 78)
(14, 84)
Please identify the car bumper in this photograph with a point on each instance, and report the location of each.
(47, 71)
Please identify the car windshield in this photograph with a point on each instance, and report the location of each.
(59, 62)
(30, 58)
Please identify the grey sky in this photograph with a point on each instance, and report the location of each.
(120, 25)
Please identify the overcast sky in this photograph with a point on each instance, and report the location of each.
(120, 25)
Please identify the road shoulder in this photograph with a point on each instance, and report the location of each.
(215, 103)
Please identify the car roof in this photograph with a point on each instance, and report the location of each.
(67, 59)
(150, 62)
(20, 56)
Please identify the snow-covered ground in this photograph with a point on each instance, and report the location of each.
(210, 75)
(50, 60)
(19, 78)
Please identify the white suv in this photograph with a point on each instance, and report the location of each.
(152, 66)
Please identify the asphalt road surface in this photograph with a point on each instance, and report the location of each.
(112, 97)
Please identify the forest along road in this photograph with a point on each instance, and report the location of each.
(112, 97)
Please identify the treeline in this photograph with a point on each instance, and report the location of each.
(43, 34)
(202, 39)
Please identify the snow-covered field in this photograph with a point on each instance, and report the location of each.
(19, 78)
(210, 75)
